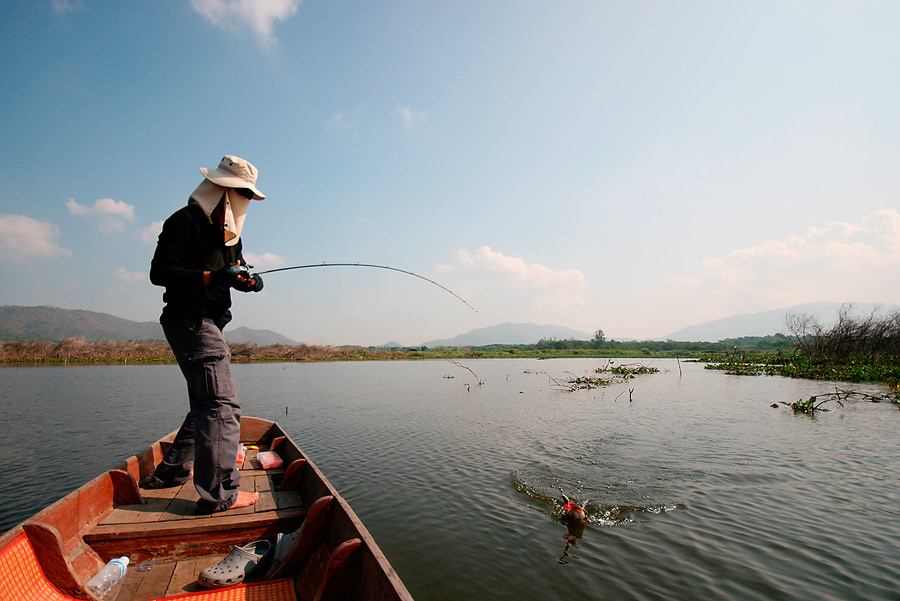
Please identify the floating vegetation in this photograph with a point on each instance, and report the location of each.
(572, 382)
(811, 405)
(587, 382)
(816, 403)
(617, 374)
(627, 371)
(803, 367)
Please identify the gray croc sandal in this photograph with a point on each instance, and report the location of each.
(284, 542)
(236, 566)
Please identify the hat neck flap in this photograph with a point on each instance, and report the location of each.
(208, 196)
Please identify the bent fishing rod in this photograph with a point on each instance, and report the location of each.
(422, 277)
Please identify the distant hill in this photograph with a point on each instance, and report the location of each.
(511, 333)
(766, 323)
(260, 337)
(54, 324)
(390, 344)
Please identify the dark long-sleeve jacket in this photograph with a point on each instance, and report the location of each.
(189, 245)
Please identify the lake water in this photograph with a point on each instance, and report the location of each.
(696, 487)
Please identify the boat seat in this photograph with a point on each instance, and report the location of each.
(310, 533)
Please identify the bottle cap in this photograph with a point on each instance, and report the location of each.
(123, 560)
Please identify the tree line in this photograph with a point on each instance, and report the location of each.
(77, 350)
(854, 348)
(763, 344)
(869, 338)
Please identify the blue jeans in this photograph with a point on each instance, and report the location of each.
(208, 439)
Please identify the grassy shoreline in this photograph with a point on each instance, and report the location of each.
(79, 352)
(882, 370)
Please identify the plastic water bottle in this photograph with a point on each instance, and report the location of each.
(102, 582)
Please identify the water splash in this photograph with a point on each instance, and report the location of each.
(543, 491)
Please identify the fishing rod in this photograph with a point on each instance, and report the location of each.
(422, 277)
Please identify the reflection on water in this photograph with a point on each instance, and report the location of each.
(693, 487)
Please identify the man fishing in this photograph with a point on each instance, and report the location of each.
(198, 260)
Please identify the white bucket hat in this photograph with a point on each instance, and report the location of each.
(234, 172)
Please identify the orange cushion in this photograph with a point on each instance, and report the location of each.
(273, 590)
(21, 577)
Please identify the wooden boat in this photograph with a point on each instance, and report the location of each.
(50, 556)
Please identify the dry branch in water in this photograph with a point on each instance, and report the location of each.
(816, 402)
(458, 364)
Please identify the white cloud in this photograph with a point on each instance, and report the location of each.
(514, 269)
(258, 15)
(64, 6)
(409, 116)
(118, 208)
(839, 261)
(264, 261)
(76, 208)
(110, 214)
(340, 121)
(684, 281)
(544, 287)
(22, 237)
(131, 276)
(150, 233)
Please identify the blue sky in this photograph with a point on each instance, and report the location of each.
(632, 166)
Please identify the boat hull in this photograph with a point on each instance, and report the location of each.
(110, 516)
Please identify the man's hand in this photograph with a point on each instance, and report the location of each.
(237, 276)
(230, 277)
(251, 282)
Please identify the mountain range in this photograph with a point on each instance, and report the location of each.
(511, 333)
(766, 323)
(54, 324)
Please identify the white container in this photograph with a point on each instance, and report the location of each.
(102, 582)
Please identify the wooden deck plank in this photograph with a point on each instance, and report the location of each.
(267, 500)
(128, 587)
(149, 511)
(184, 579)
(141, 586)
(258, 471)
(153, 587)
(183, 505)
(179, 503)
(164, 493)
(287, 499)
(264, 482)
(156, 501)
(183, 539)
(223, 520)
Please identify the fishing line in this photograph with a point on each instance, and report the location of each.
(421, 277)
